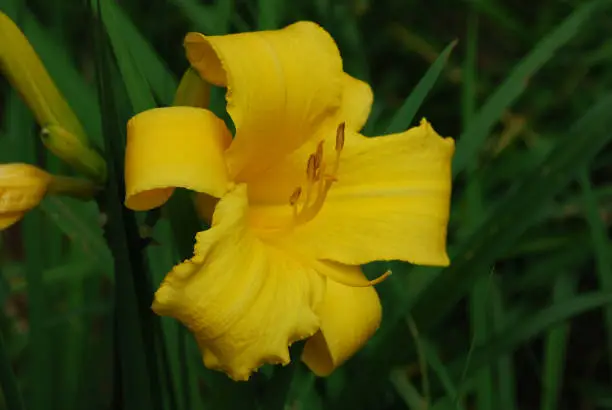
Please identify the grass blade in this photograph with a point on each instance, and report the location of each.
(601, 244)
(409, 394)
(138, 380)
(530, 327)
(139, 93)
(506, 398)
(8, 381)
(472, 139)
(404, 116)
(555, 347)
(143, 60)
(452, 392)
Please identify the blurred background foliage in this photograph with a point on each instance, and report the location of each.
(521, 320)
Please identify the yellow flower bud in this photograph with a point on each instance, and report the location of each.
(24, 70)
(22, 187)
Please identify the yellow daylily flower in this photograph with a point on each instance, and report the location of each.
(62, 133)
(23, 186)
(299, 200)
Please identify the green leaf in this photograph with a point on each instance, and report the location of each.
(404, 116)
(406, 390)
(472, 139)
(8, 381)
(530, 327)
(601, 244)
(269, 14)
(139, 92)
(555, 348)
(78, 222)
(138, 380)
(140, 57)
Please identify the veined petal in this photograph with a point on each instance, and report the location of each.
(357, 100)
(174, 147)
(390, 201)
(245, 302)
(22, 187)
(349, 317)
(282, 87)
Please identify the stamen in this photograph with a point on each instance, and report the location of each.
(340, 136)
(311, 167)
(295, 196)
(380, 278)
(308, 199)
(319, 155)
(354, 281)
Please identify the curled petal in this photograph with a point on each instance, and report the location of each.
(245, 302)
(174, 147)
(283, 86)
(349, 317)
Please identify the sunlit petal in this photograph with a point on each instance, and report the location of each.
(174, 147)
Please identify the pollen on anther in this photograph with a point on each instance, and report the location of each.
(311, 167)
(319, 155)
(295, 196)
(340, 136)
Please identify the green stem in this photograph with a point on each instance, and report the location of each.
(74, 187)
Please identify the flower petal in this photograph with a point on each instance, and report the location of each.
(394, 188)
(357, 100)
(174, 147)
(244, 301)
(349, 317)
(282, 87)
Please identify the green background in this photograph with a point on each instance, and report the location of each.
(522, 319)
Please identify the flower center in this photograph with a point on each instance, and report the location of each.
(308, 200)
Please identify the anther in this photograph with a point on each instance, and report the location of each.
(340, 136)
(295, 196)
(319, 155)
(311, 167)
